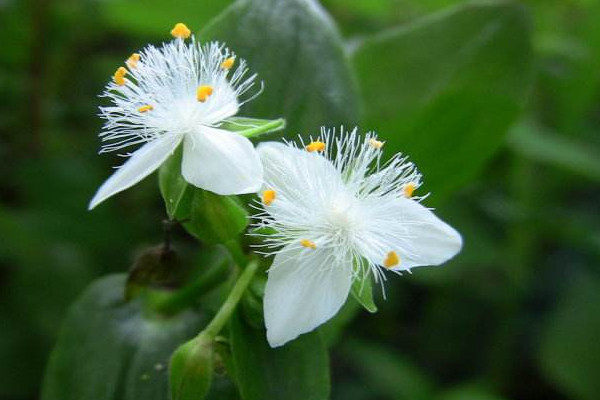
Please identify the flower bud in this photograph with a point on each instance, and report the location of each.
(191, 369)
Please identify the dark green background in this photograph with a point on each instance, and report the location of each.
(498, 103)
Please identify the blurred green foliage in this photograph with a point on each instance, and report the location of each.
(498, 103)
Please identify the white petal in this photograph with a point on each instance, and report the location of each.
(142, 163)
(305, 288)
(221, 104)
(411, 230)
(221, 161)
(306, 184)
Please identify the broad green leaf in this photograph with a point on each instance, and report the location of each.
(252, 127)
(176, 192)
(570, 350)
(191, 369)
(389, 375)
(538, 144)
(214, 218)
(109, 349)
(446, 88)
(296, 49)
(362, 291)
(297, 371)
(468, 392)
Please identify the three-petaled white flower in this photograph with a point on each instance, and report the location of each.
(180, 93)
(337, 215)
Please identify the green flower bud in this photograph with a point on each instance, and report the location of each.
(191, 369)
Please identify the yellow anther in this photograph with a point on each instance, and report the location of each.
(409, 189)
(309, 244)
(203, 92)
(181, 31)
(391, 260)
(145, 108)
(315, 146)
(119, 76)
(376, 144)
(132, 61)
(228, 63)
(268, 197)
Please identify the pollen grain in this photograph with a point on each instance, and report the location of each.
(132, 61)
(268, 197)
(180, 30)
(228, 63)
(145, 108)
(204, 92)
(119, 76)
(376, 144)
(409, 189)
(315, 146)
(391, 260)
(309, 244)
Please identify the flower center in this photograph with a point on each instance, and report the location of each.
(342, 216)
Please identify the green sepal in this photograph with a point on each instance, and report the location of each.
(214, 218)
(176, 192)
(362, 291)
(252, 127)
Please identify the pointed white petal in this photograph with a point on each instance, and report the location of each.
(221, 161)
(306, 184)
(142, 163)
(411, 230)
(305, 288)
(221, 104)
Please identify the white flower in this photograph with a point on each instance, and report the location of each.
(337, 215)
(180, 93)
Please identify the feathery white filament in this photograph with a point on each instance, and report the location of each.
(167, 78)
(332, 212)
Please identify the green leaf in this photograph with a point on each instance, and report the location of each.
(297, 371)
(469, 392)
(446, 88)
(176, 192)
(214, 218)
(387, 374)
(252, 127)
(191, 369)
(538, 144)
(300, 57)
(570, 350)
(109, 349)
(362, 291)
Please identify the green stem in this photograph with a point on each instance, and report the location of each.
(186, 296)
(224, 313)
(238, 255)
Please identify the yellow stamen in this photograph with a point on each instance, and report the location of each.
(315, 146)
(132, 61)
(228, 63)
(203, 92)
(146, 108)
(376, 144)
(268, 197)
(409, 189)
(119, 76)
(181, 31)
(309, 244)
(391, 260)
